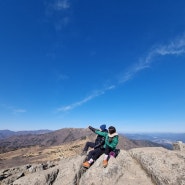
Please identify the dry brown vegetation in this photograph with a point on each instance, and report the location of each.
(37, 154)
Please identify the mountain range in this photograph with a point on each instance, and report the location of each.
(10, 140)
(8, 133)
(58, 137)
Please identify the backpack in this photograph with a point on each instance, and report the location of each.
(114, 153)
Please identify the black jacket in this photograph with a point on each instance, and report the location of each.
(100, 140)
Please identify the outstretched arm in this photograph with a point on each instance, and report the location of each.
(101, 133)
(92, 129)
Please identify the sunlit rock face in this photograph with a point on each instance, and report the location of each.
(144, 166)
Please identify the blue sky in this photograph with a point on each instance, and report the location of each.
(67, 63)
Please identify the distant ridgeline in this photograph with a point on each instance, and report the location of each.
(8, 133)
(160, 138)
(171, 137)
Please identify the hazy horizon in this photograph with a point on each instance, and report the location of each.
(121, 132)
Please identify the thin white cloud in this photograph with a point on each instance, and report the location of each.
(57, 13)
(56, 6)
(61, 4)
(12, 109)
(85, 100)
(175, 47)
(5, 106)
(16, 111)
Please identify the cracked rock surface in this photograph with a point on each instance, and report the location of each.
(140, 166)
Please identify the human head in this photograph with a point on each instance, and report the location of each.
(103, 127)
(112, 130)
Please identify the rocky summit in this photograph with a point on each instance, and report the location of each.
(139, 166)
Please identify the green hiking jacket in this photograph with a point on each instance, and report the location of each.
(111, 144)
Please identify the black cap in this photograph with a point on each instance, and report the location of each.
(112, 129)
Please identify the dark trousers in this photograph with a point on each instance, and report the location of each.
(87, 145)
(96, 153)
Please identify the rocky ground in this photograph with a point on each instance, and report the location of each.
(140, 166)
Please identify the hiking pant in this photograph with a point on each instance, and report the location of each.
(87, 145)
(96, 153)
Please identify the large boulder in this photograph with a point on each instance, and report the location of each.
(47, 177)
(65, 173)
(120, 170)
(179, 145)
(165, 167)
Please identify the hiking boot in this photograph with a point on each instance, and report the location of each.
(86, 164)
(83, 153)
(105, 163)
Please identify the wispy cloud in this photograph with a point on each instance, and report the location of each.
(85, 100)
(175, 47)
(57, 13)
(17, 111)
(12, 109)
(61, 4)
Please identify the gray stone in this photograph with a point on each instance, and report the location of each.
(179, 145)
(120, 170)
(164, 166)
(46, 177)
(139, 166)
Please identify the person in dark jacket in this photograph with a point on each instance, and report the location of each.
(111, 141)
(98, 142)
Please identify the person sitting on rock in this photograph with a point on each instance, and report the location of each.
(111, 141)
(98, 142)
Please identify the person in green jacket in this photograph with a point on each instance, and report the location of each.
(110, 143)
